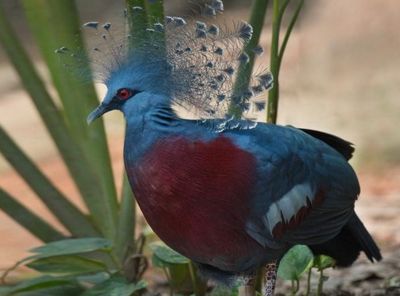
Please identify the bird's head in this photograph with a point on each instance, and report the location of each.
(191, 63)
(132, 85)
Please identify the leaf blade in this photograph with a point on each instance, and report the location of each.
(115, 286)
(68, 265)
(71, 247)
(69, 215)
(84, 175)
(30, 221)
(295, 262)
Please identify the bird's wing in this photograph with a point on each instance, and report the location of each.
(305, 190)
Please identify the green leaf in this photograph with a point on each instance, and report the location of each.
(165, 256)
(177, 265)
(64, 290)
(4, 291)
(30, 221)
(71, 247)
(71, 265)
(93, 279)
(115, 286)
(323, 262)
(295, 262)
(42, 282)
(85, 177)
(126, 223)
(68, 214)
(78, 98)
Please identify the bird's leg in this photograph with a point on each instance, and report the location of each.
(270, 279)
(248, 287)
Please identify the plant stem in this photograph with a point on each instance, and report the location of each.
(273, 95)
(277, 54)
(127, 222)
(137, 22)
(198, 285)
(295, 286)
(288, 32)
(155, 11)
(257, 17)
(308, 282)
(320, 282)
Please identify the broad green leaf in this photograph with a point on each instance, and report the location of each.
(67, 265)
(42, 282)
(177, 265)
(71, 247)
(166, 255)
(322, 262)
(4, 291)
(64, 290)
(295, 262)
(115, 286)
(93, 279)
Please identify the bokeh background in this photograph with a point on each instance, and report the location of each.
(340, 75)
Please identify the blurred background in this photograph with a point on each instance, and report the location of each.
(340, 75)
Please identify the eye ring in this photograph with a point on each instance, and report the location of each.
(124, 94)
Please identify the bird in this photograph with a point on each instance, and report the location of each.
(231, 194)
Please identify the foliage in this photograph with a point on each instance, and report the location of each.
(71, 264)
(300, 260)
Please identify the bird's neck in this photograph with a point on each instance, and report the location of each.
(145, 124)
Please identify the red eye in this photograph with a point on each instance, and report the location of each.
(124, 93)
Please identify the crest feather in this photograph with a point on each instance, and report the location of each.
(194, 61)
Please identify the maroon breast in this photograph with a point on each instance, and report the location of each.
(195, 196)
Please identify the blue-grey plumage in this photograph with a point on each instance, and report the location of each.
(294, 173)
(230, 194)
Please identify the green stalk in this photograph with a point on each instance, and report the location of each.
(78, 99)
(320, 282)
(277, 53)
(273, 95)
(155, 11)
(288, 32)
(126, 224)
(199, 286)
(295, 286)
(78, 165)
(257, 17)
(69, 215)
(155, 14)
(30, 221)
(137, 22)
(308, 282)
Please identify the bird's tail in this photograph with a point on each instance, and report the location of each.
(347, 245)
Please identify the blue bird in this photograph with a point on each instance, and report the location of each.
(231, 194)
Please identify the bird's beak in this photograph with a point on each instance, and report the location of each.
(96, 113)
